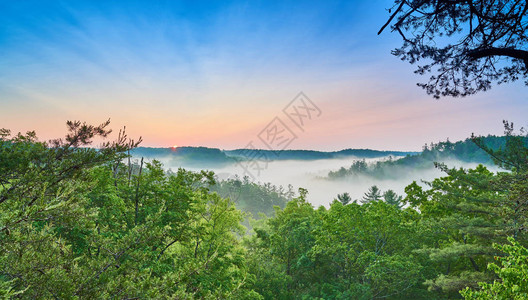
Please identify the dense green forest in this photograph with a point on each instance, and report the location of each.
(80, 222)
(466, 151)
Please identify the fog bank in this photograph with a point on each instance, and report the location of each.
(311, 175)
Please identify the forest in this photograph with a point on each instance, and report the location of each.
(84, 222)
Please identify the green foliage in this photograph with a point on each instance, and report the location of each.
(512, 273)
(461, 211)
(77, 222)
(346, 252)
(277, 253)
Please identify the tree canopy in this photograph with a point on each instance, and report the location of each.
(468, 44)
(78, 222)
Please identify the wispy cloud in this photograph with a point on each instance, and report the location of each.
(213, 74)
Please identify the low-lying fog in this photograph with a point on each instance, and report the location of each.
(310, 174)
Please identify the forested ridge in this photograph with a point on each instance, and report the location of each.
(82, 222)
(466, 151)
(204, 157)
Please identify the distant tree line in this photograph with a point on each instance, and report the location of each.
(465, 151)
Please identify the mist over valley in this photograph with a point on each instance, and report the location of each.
(326, 174)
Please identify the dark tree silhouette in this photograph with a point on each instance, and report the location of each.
(344, 198)
(468, 44)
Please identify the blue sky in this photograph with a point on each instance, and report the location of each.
(215, 73)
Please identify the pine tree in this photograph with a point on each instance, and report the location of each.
(373, 194)
(344, 198)
(392, 198)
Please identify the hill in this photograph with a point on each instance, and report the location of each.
(204, 157)
(465, 151)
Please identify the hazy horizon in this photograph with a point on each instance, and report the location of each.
(292, 149)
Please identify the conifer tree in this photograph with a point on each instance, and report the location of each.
(392, 198)
(373, 194)
(344, 198)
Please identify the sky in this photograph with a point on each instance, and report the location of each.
(218, 73)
